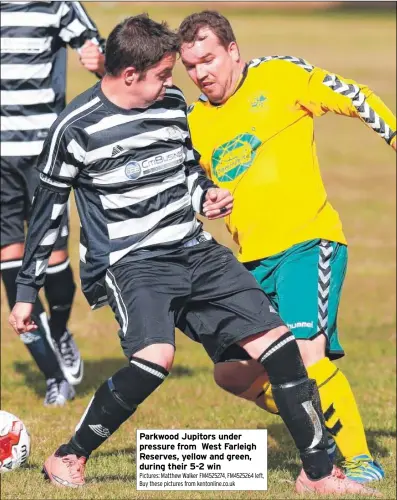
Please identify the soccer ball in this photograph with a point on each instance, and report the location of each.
(14, 442)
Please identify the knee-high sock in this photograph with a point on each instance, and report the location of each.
(113, 403)
(298, 403)
(341, 414)
(342, 417)
(59, 290)
(39, 341)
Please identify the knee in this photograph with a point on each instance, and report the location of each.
(224, 378)
(312, 350)
(237, 377)
(161, 354)
(255, 345)
(247, 380)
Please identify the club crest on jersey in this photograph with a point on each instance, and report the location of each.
(258, 102)
(133, 170)
(233, 158)
(174, 133)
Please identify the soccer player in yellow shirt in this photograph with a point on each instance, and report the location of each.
(253, 127)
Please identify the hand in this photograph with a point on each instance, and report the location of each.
(218, 203)
(20, 318)
(394, 145)
(92, 58)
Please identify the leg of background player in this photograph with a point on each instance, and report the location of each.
(39, 342)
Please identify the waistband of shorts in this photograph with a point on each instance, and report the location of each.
(201, 238)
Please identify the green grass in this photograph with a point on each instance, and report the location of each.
(359, 172)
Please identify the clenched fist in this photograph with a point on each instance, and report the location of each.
(92, 58)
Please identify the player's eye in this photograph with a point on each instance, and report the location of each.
(164, 76)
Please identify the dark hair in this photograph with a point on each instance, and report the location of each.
(140, 42)
(218, 24)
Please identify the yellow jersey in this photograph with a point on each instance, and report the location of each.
(260, 145)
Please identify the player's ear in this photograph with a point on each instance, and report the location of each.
(130, 75)
(234, 51)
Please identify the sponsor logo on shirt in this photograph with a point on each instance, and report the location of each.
(154, 164)
(233, 158)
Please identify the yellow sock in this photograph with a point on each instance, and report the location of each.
(338, 403)
(268, 400)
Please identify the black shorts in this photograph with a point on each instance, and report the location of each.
(19, 179)
(202, 290)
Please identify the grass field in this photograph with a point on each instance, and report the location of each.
(359, 172)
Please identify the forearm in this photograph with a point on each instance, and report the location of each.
(386, 115)
(198, 184)
(48, 206)
(351, 99)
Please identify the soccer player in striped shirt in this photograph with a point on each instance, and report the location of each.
(253, 127)
(124, 145)
(34, 37)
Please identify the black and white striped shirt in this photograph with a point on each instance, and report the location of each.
(137, 185)
(34, 36)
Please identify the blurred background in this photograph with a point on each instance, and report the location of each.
(356, 40)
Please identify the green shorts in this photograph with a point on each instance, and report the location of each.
(304, 285)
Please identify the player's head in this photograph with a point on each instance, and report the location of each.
(210, 54)
(142, 53)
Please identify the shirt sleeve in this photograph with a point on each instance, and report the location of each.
(197, 181)
(205, 165)
(77, 27)
(331, 92)
(59, 166)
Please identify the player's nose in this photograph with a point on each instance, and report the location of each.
(168, 82)
(201, 72)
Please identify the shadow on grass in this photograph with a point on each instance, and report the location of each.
(122, 454)
(108, 478)
(131, 450)
(374, 446)
(95, 372)
(31, 466)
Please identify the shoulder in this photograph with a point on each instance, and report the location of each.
(196, 106)
(175, 95)
(280, 63)
(80, 110)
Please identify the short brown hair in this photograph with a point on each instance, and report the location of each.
(140, 42)
(218, 24)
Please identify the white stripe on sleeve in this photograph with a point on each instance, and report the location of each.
(57, 135)
(25, 71)
(30, 148)
(26, 97)
(29, 122)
